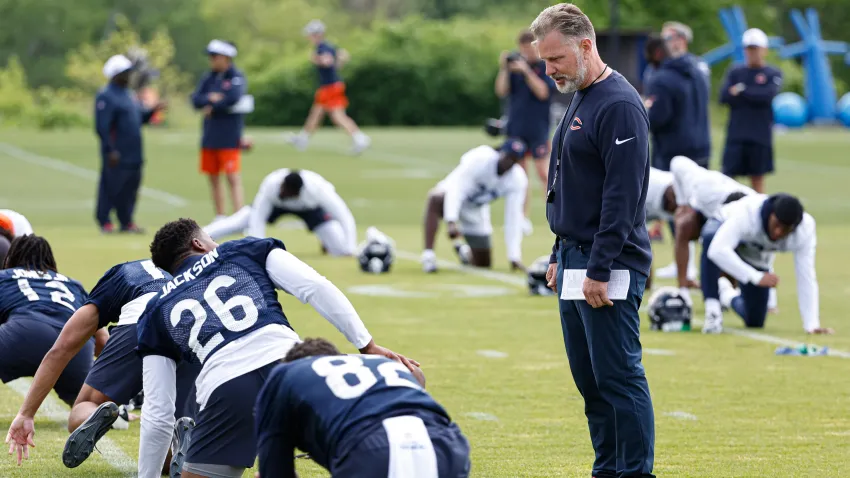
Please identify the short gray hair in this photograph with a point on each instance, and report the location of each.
(681, 29)
(565, 18)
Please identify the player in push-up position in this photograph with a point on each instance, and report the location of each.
(221, 310)
(742, 241)
(118, 299)
(304, 194)
(356, 415)
(464, 196)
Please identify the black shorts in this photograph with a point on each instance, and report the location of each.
(312, 218)
(537, 146)
(747, 159)
(23, 344)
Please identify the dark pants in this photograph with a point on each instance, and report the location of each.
(118, 190)
(747, 159)
(604, 350)
(751, 305)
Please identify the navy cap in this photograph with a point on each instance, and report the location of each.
(514, 147)
(788, 209)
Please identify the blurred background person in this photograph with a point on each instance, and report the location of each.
(142, 76)
(523, 82)
(654, 53)
(749, 90)
(678, 37)
(330, 96)
(216, 94)
(118, 124)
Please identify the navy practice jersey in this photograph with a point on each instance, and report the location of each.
(212, 300)
(48, 296)
(121, 285)
(326, 405)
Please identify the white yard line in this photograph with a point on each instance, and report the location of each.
(57, 412)
(80, 172)
(521, 281)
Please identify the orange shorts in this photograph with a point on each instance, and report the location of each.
(331, 97)
(215, 161)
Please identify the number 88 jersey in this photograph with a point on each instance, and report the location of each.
(47, 296)
(212, 301)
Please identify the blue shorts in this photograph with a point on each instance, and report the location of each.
(224, 430)
(371, 457)
(117, 372)
(537, 146)
(312, 218)
(747, 159)
(23, 344)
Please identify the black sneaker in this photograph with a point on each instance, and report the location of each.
(180, 445)
(82, 441)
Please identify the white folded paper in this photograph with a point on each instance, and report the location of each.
(618, 284)
(245, 105)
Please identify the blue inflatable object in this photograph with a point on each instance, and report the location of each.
(789, 109)
(843, 109)
(735, 24)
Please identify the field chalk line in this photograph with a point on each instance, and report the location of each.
(85, 173)
(57, 412)
(521, 281)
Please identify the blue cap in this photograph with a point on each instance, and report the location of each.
(514, 147)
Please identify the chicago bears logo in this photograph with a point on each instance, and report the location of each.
(576, 124)
(761, 78)
(516, 146)
(225, 84)
(541, 150)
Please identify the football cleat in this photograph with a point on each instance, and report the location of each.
(81, 443)
(180, 445)
(713, 324)
(464, 253)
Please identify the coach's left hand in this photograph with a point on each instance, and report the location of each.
(595, 292)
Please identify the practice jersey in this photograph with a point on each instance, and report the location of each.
(20, 223)
(475, 183)
(327, 405)
(659, 181)
(124, 290)
(47, 296)
(742, 248)
(702, 189)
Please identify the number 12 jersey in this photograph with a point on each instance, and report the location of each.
(47, 296)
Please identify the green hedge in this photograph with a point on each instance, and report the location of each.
(406, 74)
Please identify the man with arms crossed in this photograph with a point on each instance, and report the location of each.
(598, 184)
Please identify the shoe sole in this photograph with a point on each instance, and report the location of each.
(182, 428)
(81, 443)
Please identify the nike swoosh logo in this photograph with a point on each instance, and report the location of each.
(618, 142)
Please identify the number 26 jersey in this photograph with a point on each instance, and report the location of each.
(47, 296)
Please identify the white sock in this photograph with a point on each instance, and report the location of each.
(359, 137)
(712, 307)
(772, 299)
(727, 292)
(428, 255)
(692, 265)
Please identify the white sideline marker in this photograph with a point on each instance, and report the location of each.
(681, 415)
(57, 412)
(494, 354)
(659, 352)
(482, 416)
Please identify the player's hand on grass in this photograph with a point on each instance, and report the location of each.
(552, 277)
(595, 293)
(688, 284)
(822, 331)
(454, 232)
(374, 349)
(20, 437)
(769, 280)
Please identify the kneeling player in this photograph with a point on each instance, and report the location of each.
(221, 310)
(743, 242)
(381, 424)
(464, 197)
(304, 194)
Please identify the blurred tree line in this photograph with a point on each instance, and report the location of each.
(413, 61)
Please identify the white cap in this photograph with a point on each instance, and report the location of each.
(755, 37)
(115, 65)
(315, 26)
(220, 47)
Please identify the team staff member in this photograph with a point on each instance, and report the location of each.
(216, 94)
(118, 124)
(749, 90)
(678, 37)
(598, 189)
(523, 81)
(330, 97)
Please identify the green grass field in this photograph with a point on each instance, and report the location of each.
(725, 405)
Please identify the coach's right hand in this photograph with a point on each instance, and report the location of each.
(20, 437)
(769, 279)
(114, 157)
(552, 277)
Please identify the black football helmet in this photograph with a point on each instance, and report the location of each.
(669, 310)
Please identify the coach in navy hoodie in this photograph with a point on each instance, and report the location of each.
(598, 178)
(677, 104)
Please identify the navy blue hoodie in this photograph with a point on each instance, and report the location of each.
(677, 103)
(222, 129)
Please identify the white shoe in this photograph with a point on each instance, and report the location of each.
(361, 143)
(527, 227)
(670, 271)
(713, 324)
(429, 262)
(464, 253)
(299, 141)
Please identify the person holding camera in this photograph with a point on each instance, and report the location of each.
(522, 80)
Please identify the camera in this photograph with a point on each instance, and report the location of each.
(495, 127)
(514, 56)
(142, 73)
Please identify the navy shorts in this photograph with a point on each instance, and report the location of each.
(747, 159)
(371, 457)
(224, 430)
(313, 218)
(117, 372)
(537, 146)
(23, 344)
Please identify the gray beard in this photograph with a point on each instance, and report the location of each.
(573, 84)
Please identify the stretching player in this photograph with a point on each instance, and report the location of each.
(304, 194)
(13, 224)
(383, 425)
(660, 204)
(464, 197)
(743, 242)
(221, 310)
(118, 299)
